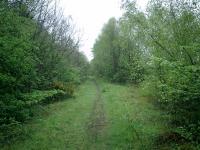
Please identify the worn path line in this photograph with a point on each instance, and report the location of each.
(97, 122)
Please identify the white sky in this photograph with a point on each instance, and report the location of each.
(90, 16)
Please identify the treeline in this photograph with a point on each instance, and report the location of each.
(159, 49)
(39, 59)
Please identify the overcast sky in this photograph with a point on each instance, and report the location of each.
(90, 16)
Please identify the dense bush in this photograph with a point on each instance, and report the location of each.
(68, 88)
(33, 56)
(178, 92)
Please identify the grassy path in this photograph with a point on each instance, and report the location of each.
(103, 116)
(97, 122)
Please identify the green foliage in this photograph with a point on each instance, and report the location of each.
(174, 67)
(177, 89)
(68, 88)
(38, 97)
(159, 49)
(106, 50)
(116, 55)
(33, 55)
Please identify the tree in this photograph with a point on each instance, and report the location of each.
(38, 52)
(106, 50)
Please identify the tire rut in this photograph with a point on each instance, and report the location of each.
(97, 121)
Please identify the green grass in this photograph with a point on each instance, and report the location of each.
(131, 122)
(64, 125)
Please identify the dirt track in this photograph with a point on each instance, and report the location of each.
(97, 119)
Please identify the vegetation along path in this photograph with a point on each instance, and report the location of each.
(102, 116)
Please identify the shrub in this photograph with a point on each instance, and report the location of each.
(178, 87)
(68, 88)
